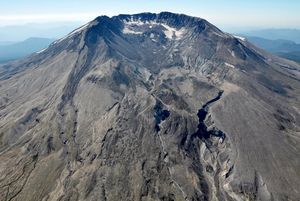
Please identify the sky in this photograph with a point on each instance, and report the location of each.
(227, 14)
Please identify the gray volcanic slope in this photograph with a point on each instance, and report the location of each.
(150, 107)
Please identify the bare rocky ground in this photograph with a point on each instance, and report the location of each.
(150, 107)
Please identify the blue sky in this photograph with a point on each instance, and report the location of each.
(223, 13)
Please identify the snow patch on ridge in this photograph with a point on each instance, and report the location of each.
(229, 65)
(38, 52)
(170, 32)
(241, 38)
(79, 29)
(231, 52)
(72, 33)
(126, 30)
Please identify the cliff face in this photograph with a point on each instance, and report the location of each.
(150, 107)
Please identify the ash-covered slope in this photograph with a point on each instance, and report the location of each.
(150, 107)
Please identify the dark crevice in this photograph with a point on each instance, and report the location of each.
(160, 115)
(202, 131)
(218, 97)
(229, 172)
(191, 146)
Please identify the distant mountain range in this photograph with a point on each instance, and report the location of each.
(18, 41)
(10, 51)
(275, 45)
(284, 48)
(43, 30)
(275, 34)
(295, 56)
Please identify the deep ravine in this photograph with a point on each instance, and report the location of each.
(203, 132)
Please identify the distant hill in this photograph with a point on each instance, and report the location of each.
(284, 48)
(275, 45)
(43, 30)
(275, 34)
(24, 48)
(295, 56)
(17, 41)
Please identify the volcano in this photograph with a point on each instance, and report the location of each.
(150, 107)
